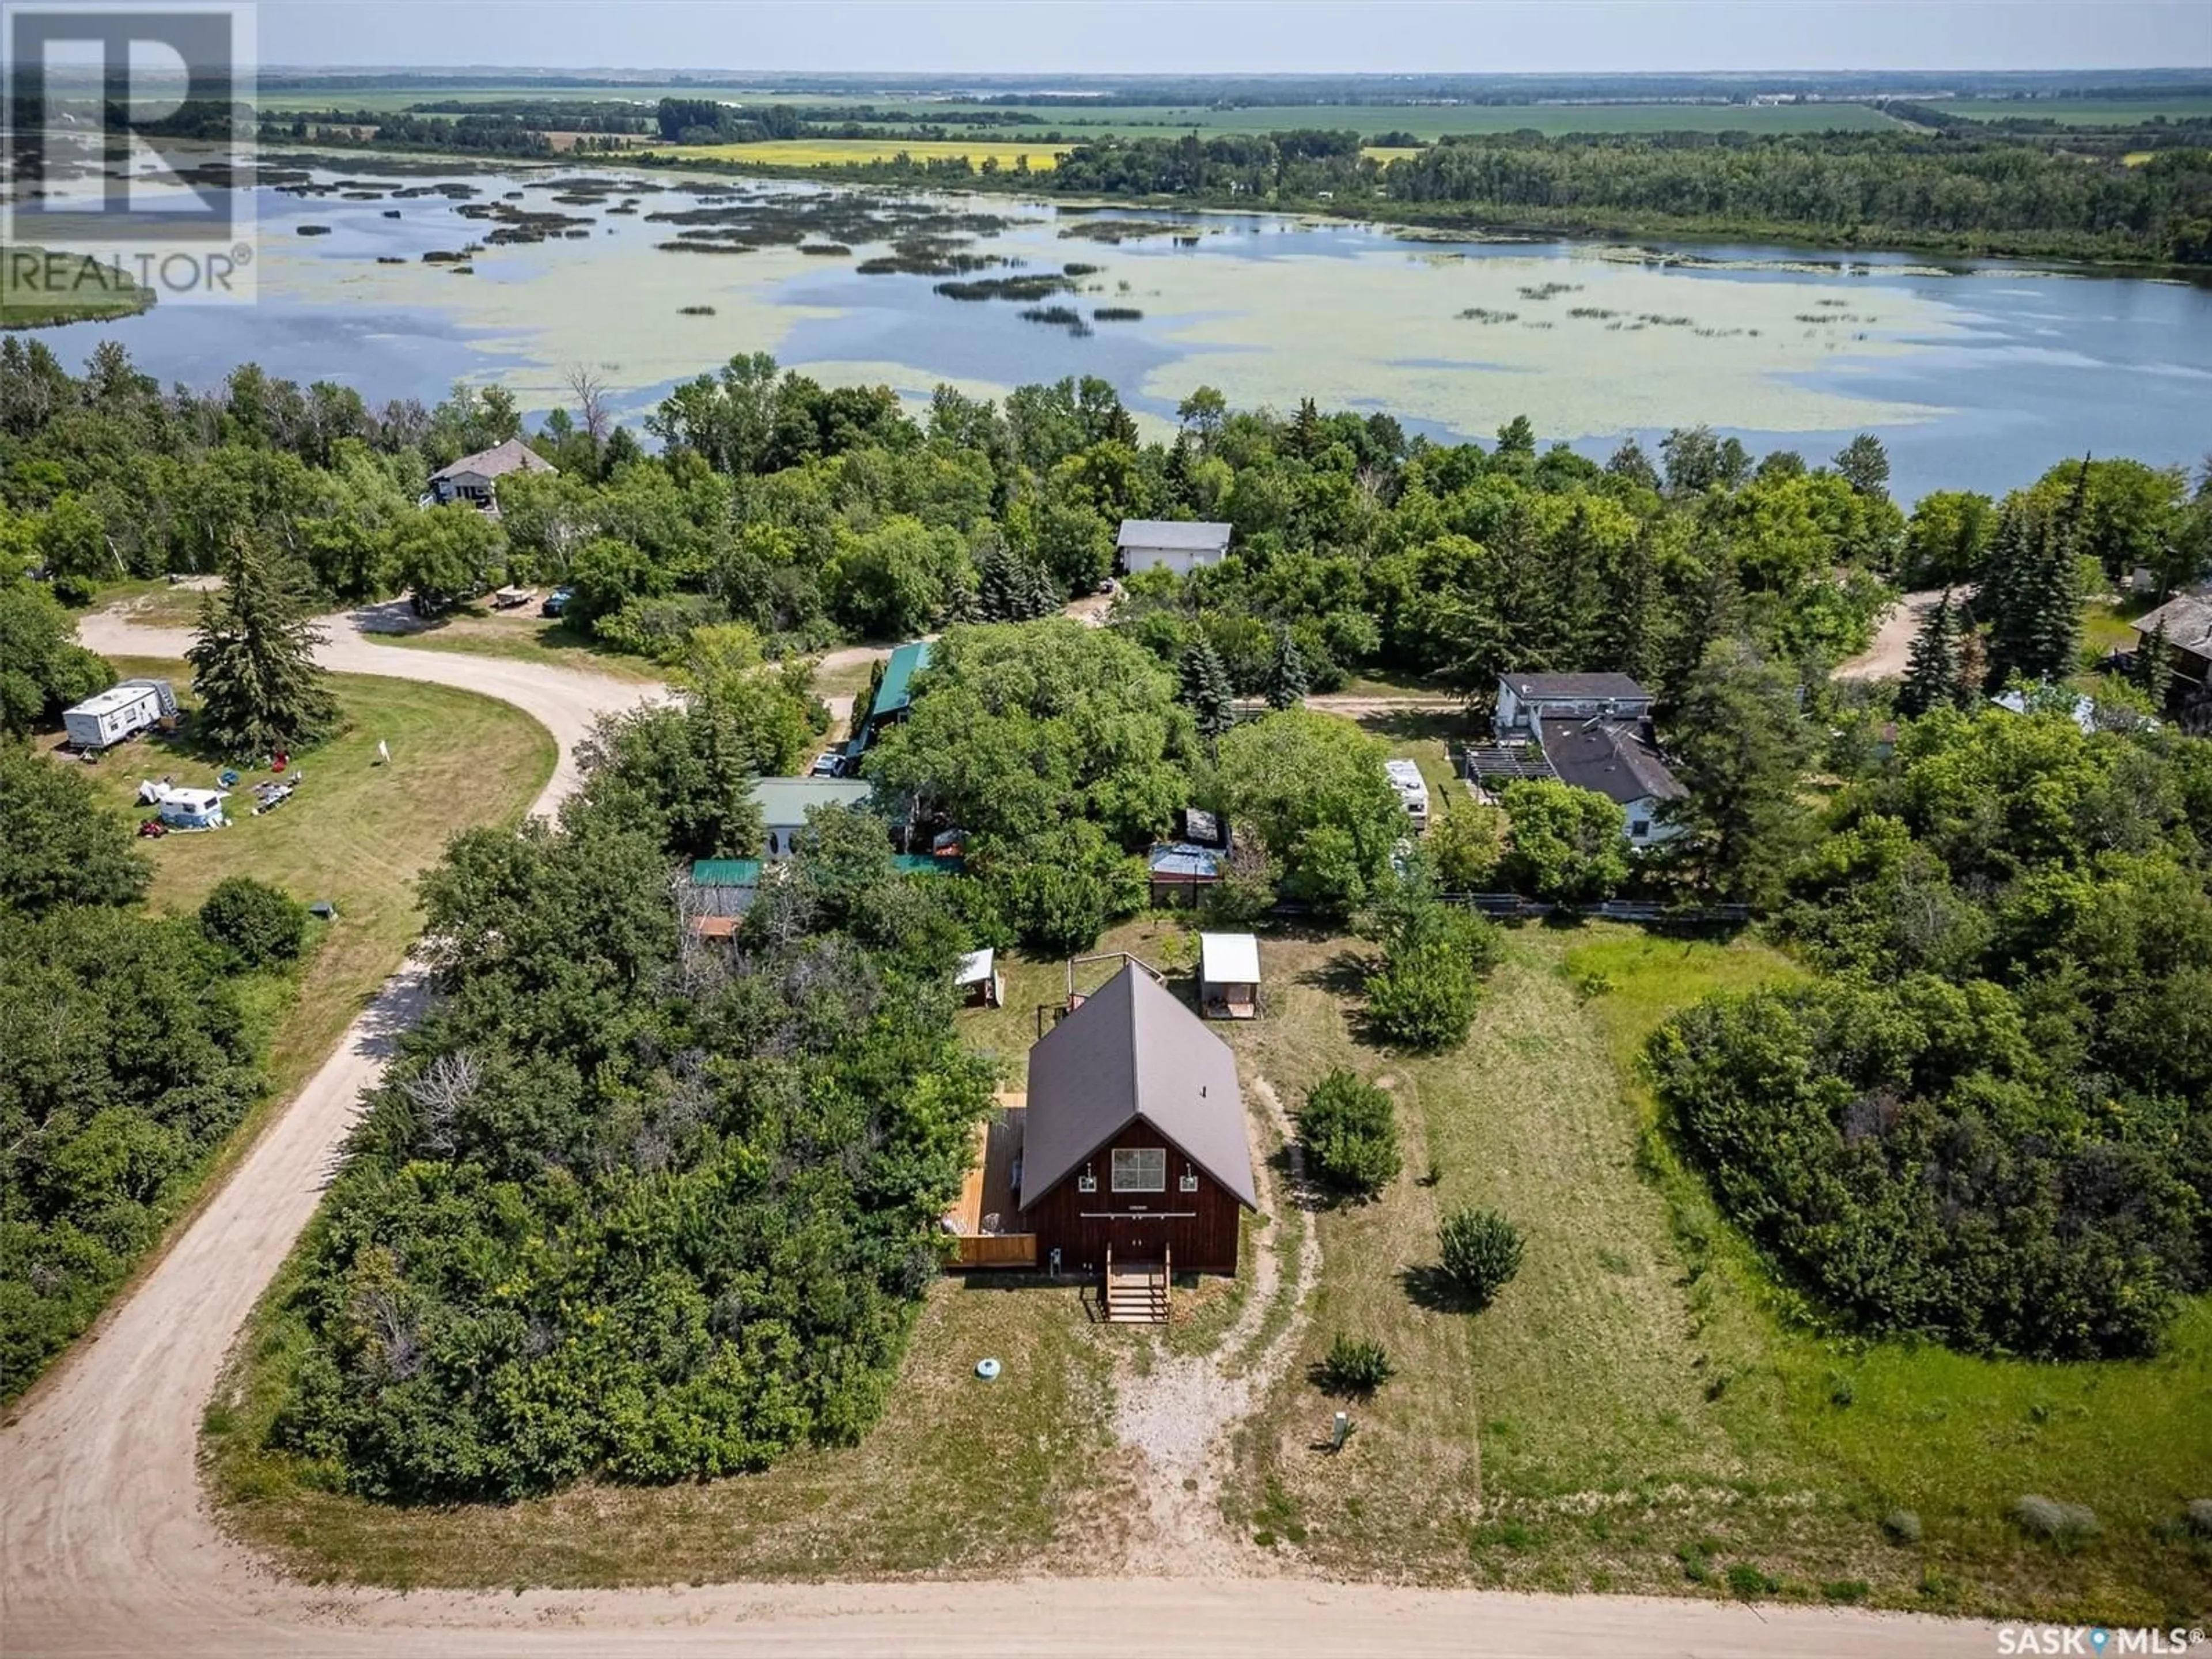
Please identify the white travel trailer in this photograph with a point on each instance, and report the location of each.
(117, 712)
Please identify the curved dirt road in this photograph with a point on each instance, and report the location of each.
(106, 1549)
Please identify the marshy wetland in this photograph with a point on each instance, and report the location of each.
(1970, 372)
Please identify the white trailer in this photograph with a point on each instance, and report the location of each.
(1413, 790)
(118, 713)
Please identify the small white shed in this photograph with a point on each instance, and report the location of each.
(117, 712)
(978, 980)
(1229, 976)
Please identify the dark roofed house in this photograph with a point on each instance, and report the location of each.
(473, 478)
(1135, 1140)
(1592, 730)
(2187, 619)
(1173, 544)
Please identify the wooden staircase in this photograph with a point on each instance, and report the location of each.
(1137, 1291)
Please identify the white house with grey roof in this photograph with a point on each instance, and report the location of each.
(1592, 730)
(1173, 544)
(475, 478)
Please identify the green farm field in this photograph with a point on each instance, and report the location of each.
(2081, 111)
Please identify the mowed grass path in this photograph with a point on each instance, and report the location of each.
(1643, 1408)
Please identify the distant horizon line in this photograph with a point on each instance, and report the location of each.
(452, 71)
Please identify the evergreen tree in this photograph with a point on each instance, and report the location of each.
(1737, 741)
(1931, 673)
(1630, 626)
(1306, 439)
(1286, 673)
(253, 661)
(2031, 596)
(1206, 689)
(1011, 588)
(2154, 670)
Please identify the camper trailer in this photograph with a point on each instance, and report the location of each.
(1413, 790)
(119, 712)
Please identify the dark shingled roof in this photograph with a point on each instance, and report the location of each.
(1575, 686)
(512, 456)
(2188, 619)
(1133, 1051)
(1616, 758)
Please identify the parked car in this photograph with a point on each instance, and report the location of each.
(827, 764)
(556, 602)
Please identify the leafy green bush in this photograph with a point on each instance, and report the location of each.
(1845, 1591)
(1349, 1129)
(260, 925)
(1479, 1252)
(1902, 1527)
(2199, 1516)
(1354, 1366)
(1433, 956)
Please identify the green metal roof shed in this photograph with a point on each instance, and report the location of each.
(897, 692)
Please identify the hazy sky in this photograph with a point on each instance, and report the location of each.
(1256, 36)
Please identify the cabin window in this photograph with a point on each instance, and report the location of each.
(1140, 1170)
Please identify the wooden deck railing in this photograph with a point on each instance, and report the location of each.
(994, 1250)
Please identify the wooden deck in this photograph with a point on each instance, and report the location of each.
(984, 1222)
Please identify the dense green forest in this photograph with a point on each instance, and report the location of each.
(629, 1207)
(127, 1052)
(1990, 1119)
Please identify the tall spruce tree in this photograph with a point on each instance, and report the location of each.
(2032, 595)
(1011, 588)
(1286, 673)
(1205, 691)
(253, 661)
(1931, 672)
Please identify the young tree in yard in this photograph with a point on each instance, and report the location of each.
(1205, 691)
(1568, 844)
(1932, 670)
(1433, 958)
(1479, 1251)
(1286, 673)
(260, 925)
(253, 661)
(1349, 1128)
(445, 555)
(1011, 588)
(1737, 742)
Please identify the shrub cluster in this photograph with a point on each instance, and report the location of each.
(1349, 1129)
(1479, 1252)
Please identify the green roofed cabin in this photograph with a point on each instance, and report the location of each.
(894, 696)
(784, 803)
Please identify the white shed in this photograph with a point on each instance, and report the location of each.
(1228, 976)
(978, 980)
(117, 712)
(1171, 544)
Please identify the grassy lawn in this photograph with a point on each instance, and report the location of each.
(2080, 112)
(357, 835)
(526, 637)
(1642, 1407)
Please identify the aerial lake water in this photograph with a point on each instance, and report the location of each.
(1977, 375)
